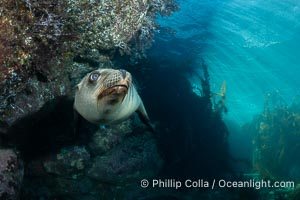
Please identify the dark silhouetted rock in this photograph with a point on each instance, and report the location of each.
(69, 162)
(11, 174)
(134, 158)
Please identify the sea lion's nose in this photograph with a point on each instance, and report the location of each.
(123, 73)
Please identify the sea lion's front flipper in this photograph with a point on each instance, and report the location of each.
(144, 117)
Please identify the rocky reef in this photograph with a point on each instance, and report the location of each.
(42, 43)
(98, 162)
(46, 48)
(81, 172)
(11, 174)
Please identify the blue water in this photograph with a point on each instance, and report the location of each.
(252, 45)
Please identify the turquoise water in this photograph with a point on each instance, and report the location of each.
(252, 45)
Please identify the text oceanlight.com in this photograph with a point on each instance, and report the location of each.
(200, 183)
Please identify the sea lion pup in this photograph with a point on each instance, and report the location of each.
(108, 96)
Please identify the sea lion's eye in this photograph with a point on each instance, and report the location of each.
(94, 76)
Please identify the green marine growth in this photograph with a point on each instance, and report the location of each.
(276, 140)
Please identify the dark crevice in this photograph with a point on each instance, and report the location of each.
(80, 59)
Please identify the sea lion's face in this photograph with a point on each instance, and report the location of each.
(106, 86)
(100, 94)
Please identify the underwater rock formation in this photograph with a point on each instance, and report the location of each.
(40, 40)
(46, 48)
(80, 172)
(59, 164)
(11, 174)
(104, 140)
(108, 25)
(69, 162)
(134, 158)
(44, 131)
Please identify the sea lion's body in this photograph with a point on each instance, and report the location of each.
(108, 96)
